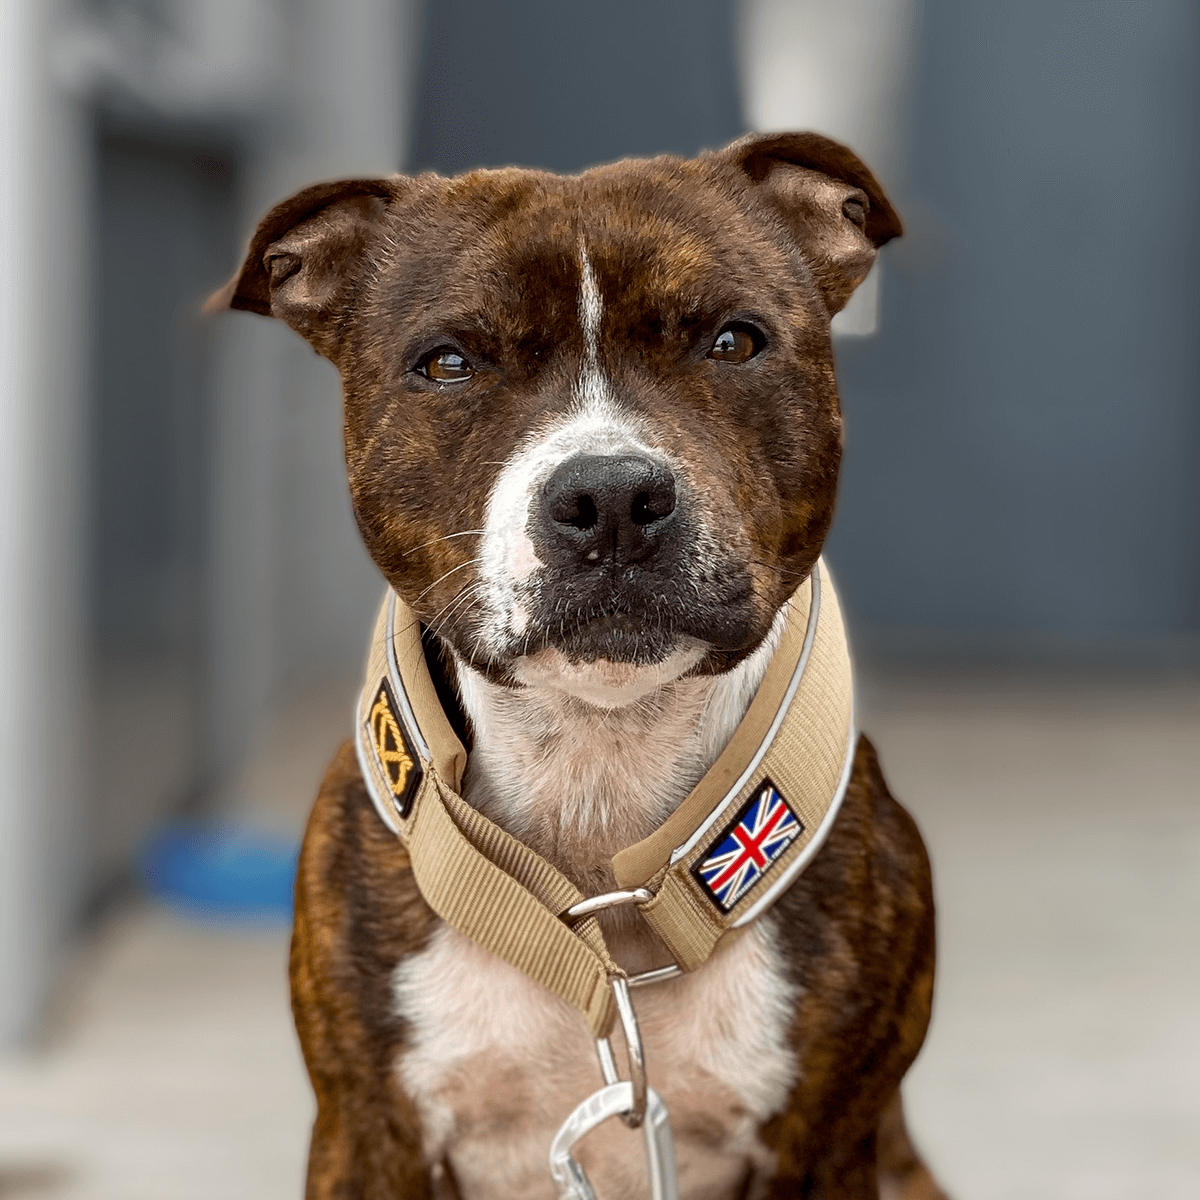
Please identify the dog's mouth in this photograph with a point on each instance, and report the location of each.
(616, 636)
(642, 624)
(603, 681)
(611, 652)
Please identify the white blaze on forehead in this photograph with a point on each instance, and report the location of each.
(592, 387)
(591, 309)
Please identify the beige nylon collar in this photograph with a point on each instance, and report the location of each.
(728, 852)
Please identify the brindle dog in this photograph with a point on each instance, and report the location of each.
(667, 322)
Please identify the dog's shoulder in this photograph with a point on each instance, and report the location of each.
(897, 867)
(358, 909)
(856, 932)
(358, 913)
(871, 877)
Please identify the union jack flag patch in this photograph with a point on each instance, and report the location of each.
(755, 838)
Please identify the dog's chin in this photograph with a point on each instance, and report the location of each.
(605, 682)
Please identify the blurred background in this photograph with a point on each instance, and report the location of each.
(184, 601)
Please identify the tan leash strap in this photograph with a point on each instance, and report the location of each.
(508, 899)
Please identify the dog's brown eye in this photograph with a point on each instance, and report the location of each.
(446, 366)
(737, 343)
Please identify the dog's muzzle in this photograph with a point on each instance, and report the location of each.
(617, 543)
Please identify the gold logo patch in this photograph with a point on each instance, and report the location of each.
(393, 750)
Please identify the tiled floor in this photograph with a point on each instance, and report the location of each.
(1064, 1060)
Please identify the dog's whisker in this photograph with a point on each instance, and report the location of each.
(416, 623)
(471, 562)
(446, 537)
(469, 590)
(470, 601)
(465, 599)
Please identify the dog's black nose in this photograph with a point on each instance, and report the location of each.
(616, 507)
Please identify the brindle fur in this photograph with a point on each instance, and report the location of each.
(857, 934)
(376, 273)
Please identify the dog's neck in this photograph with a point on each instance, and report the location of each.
(577, 782)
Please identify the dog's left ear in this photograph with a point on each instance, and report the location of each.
(828, 200)
(308, 256)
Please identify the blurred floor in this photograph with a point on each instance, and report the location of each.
(1063, 819)
(1064, 1058)
(171, 1072)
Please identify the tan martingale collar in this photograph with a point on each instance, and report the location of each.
(735, 844)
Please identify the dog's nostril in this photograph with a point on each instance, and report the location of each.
(649, 507)
(577, 509)
(586, 514)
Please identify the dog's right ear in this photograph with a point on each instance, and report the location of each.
(308, 255)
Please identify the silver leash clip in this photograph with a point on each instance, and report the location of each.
(615, 1100)
(637, 1056)
(632, 1100)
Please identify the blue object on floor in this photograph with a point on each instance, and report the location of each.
(230, 872)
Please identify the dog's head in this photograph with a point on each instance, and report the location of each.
(592, 426)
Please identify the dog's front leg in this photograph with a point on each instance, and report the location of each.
(857, 930)
(355, 1153)
(358, 914)
(884, 1165)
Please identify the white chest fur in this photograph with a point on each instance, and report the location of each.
(495, 1063)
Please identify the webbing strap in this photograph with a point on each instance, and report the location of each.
(508, 899)
(793, 747)
(476, 877)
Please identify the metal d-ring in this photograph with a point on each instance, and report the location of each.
(658, 975)
(596, 904)
(606, 900)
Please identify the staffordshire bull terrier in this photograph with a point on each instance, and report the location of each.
(593, 433)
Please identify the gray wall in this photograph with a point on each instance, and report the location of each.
(1024, 434)
(564, 84)
(164, 224)
(173, 501)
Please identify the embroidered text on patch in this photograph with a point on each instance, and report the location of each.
(395, 755)
(757, 836)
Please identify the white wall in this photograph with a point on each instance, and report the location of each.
(841, 69)
(318, 89)
(293, 589)
(43, 739)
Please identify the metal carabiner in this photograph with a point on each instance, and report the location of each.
(615, 1100)
(634, 1115)
(633, 1045)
